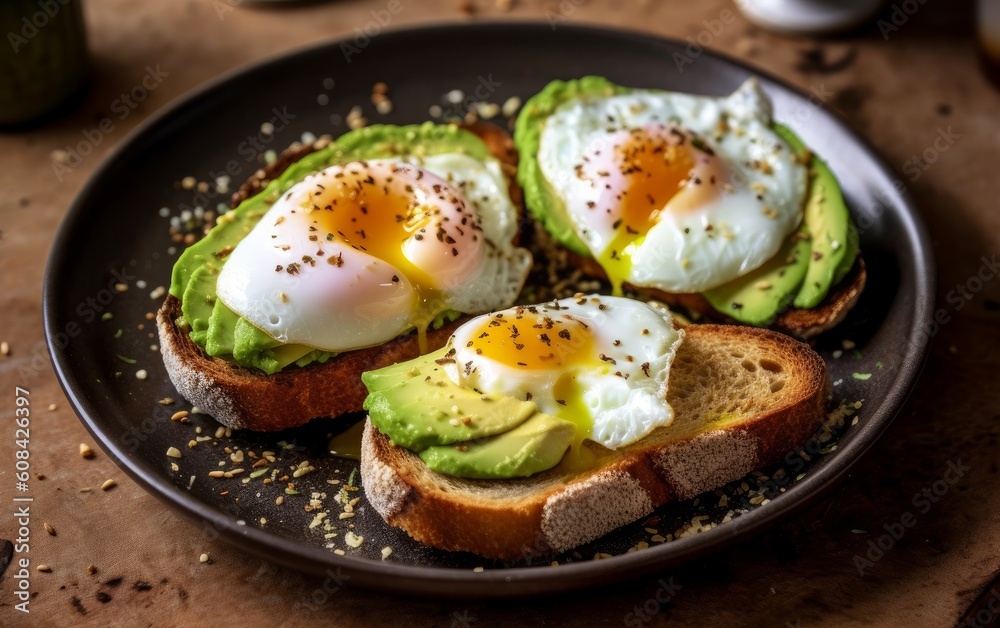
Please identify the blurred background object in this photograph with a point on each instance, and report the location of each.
(809, 17)
(988, 35)
(44, 63)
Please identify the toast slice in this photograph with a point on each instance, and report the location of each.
(801, 323)
(243, 398)
(743, 398)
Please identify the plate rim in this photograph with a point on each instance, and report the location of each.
(450, 582)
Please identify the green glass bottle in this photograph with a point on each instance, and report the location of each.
(43, 60)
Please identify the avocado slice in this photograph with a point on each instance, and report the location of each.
(834, 241)
(544, 206)
(850, 256)
(425, 408)
(533, 446)
(759, 296)
(389, 376)
(828, 222)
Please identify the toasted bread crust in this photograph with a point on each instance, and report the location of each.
(555, 511)
(243, 398)
(801, 323)
(262, 176)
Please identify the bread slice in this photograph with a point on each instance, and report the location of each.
(247, 399)
(769, 389)
(801, 323)
(243, 398)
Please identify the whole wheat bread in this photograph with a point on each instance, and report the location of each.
(771, 389)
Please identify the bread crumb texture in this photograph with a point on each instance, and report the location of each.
(696, 466)
(586, 510)
(385, 489)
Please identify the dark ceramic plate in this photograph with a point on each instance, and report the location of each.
(115, 227)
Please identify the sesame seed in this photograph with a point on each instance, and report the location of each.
(108, 485)
(141, 374)
(203, 558)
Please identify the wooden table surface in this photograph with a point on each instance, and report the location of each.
(903, 93)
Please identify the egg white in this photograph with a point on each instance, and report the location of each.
(365, 301)
(622, 386)
(689, 251)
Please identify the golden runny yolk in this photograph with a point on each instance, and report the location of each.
(560, 343)
(371, 216)
(653, 170)
(533, 341)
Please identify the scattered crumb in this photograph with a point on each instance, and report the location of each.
(353, 539)
(44, 568)
(108, 485)
(49, 528)
(173, 452)
(203, 558)
(86, 451)
(510, 106)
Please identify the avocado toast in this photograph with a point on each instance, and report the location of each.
(246, 378)
(797, 273)
(508, 476)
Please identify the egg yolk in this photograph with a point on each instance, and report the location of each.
(646, 174)
(378, 213)
(532, 341)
